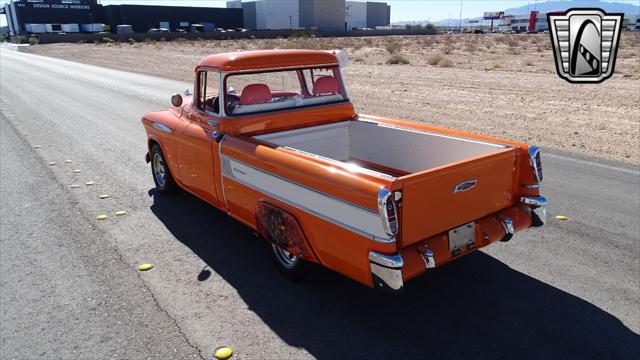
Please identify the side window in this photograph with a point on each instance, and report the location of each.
(208, 91)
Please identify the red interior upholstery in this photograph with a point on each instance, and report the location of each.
(326, 85)
(255, 94)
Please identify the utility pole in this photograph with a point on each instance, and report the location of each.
(460, 19)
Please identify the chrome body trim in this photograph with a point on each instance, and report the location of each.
(386, 270)
(222, 177)
(390, 227)
(536, 167)
(538, 206)
(161, 127)
(327, 207)
(530, 186)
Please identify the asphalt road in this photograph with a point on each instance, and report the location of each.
(70, 287)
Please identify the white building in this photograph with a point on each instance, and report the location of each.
(355, 15)
(277, 14)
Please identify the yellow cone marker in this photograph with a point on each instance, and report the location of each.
(222, 353)
(67, 161)
(51, 163)
(104, 196)
(562, 217)
(102, 217)
(121, 212)
(75, 171)
(145, 267)
(89, 183)
(74, 186)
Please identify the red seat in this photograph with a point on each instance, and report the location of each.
(255, 94)
(326, 85)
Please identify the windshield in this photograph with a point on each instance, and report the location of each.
(278, 90)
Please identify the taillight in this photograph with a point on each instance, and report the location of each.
(388, 211)
(536, 164)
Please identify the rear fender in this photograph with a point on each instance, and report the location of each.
(282, 228)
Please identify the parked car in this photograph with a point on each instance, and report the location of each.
(379, 200)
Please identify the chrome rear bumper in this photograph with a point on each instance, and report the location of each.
(386, 270)
(538, 206)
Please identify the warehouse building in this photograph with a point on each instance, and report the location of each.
(334, 15)
(21, 12)
(53, 15)
(368, 14)
(145, 17)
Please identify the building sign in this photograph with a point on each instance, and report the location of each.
(493, 15)
(54, 6)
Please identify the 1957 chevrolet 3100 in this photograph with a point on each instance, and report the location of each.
(271, 138)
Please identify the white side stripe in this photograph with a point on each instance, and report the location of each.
(354, 218)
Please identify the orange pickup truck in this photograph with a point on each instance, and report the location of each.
(271, 138)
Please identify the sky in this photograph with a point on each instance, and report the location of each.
(401, 10)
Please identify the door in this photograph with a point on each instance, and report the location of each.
(197, 161)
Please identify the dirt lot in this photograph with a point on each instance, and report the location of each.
(498, 85)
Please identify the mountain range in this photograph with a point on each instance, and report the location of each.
(544, 7)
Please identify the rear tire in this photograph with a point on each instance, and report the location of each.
(160, 171)
(292, 267)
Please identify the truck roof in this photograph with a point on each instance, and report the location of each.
(268, 59)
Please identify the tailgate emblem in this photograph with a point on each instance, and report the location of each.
(465, 185)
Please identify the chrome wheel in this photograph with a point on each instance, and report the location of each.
(284, 257)
(159, 170)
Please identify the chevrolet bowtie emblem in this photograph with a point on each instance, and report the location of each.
(585, 42)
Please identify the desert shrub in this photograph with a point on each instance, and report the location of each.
(107, 40)
(393, 46)
(131, 41)
(20, 39)
(397, 59)
(434, 59)
(304, 43)
(445, 62)
(34, 40)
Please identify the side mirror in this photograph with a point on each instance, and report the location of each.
(176, 100)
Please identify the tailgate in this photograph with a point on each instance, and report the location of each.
(449, 196)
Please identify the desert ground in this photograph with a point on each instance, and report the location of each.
(495, 84)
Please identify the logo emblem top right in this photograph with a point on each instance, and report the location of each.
(585, 43)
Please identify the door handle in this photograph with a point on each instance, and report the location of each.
(217, 136)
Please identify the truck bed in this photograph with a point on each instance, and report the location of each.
(386, 150)
(446, 181)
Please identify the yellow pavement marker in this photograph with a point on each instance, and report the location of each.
(51, 163)
(145, 267)
(89, 183)
(222, 353)
(562, 217)
(74, 186)
(104, 196)
(75, 171)
(67, 161)
(102, 217)
(121, 212)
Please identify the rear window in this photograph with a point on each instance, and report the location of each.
(278, 90)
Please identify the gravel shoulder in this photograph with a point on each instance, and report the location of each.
(497, 85)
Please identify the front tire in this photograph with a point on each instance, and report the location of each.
(160, 170)
(292, 267)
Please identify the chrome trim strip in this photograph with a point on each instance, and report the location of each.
(161, 127)
(386, 270)
(224, 195)
(368, 220)
(533, 162)
(530, 186)
(390, 228)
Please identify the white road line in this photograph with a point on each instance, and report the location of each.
(592, 163)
